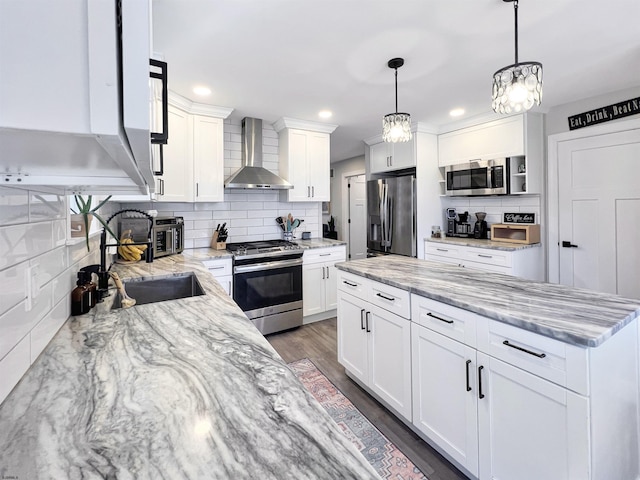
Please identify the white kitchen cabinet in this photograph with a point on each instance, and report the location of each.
(222, 271)
(319, 279)
(374, 345)
(444, 394)
(304, 158)
(518, 137)
(194, 154)
(174, 185)
(526, 262)
(387, 156)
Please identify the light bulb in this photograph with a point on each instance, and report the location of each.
(518, 93)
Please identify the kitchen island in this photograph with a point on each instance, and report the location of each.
(178, 389)
(506, 377)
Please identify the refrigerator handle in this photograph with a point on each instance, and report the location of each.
(382, 214)
(389, 219)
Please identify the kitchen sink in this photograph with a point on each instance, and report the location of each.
(161, 289)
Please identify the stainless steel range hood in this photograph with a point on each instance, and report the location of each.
(252, 174)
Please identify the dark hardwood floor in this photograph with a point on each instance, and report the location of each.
(317, 342)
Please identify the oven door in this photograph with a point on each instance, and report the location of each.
(268, 286)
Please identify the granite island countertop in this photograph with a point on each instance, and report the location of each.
(576, 316)
(183, 389)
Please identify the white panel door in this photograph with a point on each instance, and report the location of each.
(445, 394)
(208, 159)
(331, 287)
(318, 166)
(176, 183)
(353, 340)
(357, 217)
(313, 288)
(298, 172)
(529, 428)
(390, 358)
(598, 203)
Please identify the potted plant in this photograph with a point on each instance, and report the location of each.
(83, 214)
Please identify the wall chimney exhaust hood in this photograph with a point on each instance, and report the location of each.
(252, 174)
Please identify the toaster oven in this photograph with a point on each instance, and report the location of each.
(167, 233)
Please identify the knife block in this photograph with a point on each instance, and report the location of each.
(216, 245)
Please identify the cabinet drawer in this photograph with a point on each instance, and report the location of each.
(490, 256)
(219, 268)
(390, 298)
(353, 284)
(331, 254)
(556, 361)
(444, 250)
(450, 321)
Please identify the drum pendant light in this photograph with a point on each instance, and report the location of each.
(396, 127)
(517, 87)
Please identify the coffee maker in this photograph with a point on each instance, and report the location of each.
(458, 224)
(480, 229)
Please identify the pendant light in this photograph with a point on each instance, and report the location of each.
(396, 127)
(517, 87)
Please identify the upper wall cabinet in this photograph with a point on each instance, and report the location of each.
(384, 157)
(515, 136)
(304, 158)
(193, 160)
(64, 120)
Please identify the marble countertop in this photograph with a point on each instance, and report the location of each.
(184, 389)
(579, 317)
(319, 242)
(480, 243)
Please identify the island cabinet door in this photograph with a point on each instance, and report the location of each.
(445, 396)
(529, 428)
(352, 336)
(390, 358)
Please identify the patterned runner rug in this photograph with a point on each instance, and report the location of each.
(385, 457)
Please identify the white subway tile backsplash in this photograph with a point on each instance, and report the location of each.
(17, 322)
(13, 366)
(49, 265)
(14, 206)
(195, 215)
(44, 206)
(13, 284)
(247, 206)
(46, 328)
(64, 283)
(246, 222)
(22, 242)
(59, 232)
(271, 214)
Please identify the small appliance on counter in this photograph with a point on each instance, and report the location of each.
(458, 224)
(480, 229)
(167, 233)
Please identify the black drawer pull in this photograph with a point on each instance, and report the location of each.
(539, 355)
(391, 299)
(362, 319)
(468, 386)
(485, 256)
(350, 284)
(480, 394)
(367, 317)
(442, 249)
(429, 314)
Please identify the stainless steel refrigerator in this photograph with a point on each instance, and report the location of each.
(391, 216)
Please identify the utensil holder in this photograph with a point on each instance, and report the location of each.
(287, 236)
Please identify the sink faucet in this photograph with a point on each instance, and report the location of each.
(103, 271)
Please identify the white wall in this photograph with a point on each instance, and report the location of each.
(33, 236)
(249, 214)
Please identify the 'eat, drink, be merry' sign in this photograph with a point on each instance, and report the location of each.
(605, 114)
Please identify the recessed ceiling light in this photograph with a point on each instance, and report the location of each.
(456, 112)
(325, 114)
(202, 91)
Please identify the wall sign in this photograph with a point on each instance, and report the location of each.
(518, 217)
(605, 114)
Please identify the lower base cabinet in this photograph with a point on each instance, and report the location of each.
(222, 269)
(374, 346)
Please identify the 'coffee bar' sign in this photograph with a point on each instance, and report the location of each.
(605, 114)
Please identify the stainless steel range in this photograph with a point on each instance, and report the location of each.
(267, 283)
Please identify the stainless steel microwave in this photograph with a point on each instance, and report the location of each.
(481, 177)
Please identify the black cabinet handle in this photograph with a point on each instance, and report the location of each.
(362, 319)
(566, 244)
(442, 249)
(391, 299)
(485, 256)
(429, 314)
(350, 284)
(327, 272)
(480, 394)
(468, 386)
(367, 320)
(539, 355)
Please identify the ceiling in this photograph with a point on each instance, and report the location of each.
(292, 58)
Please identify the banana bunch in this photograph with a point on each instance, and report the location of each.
(132, 253)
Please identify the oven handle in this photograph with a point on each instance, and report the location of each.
(267, 265)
